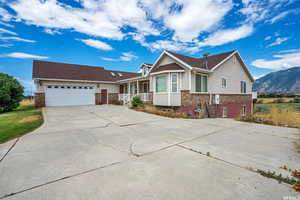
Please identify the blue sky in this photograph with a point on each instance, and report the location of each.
(122, 34)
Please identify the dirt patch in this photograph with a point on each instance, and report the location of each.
(30, 119)
(5, 115)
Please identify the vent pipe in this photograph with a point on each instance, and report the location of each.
(205, 60)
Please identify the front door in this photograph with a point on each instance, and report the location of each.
(104, 96)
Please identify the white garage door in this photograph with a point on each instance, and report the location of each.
(62, 95)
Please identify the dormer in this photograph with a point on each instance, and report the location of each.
(145, 68)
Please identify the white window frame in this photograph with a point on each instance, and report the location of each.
(167, 88)
(196, 82)
(171, 83)
(244, 110)
(241, 87)
(223, 78)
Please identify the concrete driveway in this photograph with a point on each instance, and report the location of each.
(111, 152)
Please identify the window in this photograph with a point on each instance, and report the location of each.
(74, 87)
(49, 86)
(85, 87)
(161, 83)
(174, 82)
(68, 87)
(145, 87)
(91, 87)
(79, 87)
(201, 83)
(224, 83)
(234, 59)
(56, 86)
(224, 113)
(243, 86)
(62, 87)
(243, 110)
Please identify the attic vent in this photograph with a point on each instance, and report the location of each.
(113, 74)
(120, 74)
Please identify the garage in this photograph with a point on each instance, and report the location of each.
(68, 95)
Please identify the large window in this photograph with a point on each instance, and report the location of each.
(161, 83)
(201, 83)
(243, 86)
(174, 82)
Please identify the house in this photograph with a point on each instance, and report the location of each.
(212, 86)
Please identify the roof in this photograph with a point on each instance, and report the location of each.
(54, 70)
(171, 66)
(212, 61)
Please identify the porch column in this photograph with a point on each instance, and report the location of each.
(137, 87)
(128, 88)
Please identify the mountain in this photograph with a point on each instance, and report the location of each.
(284, 81)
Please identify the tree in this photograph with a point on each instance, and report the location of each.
(11, 93)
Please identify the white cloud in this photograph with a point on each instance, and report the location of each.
(278, 41)
(289, 51)
(282, 15)
(279, 61)
(23, 55)
(97, 44)
(2, 30)
(196, 17)
(52, 31)
(128, 56)
(17, 39)
(268, 37)
(6, 24)
(6, 45)
(29, 87)
(107, 59)
(4, 15)
(254, 10)
(224, 36)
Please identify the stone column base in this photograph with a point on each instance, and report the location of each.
(39, 99)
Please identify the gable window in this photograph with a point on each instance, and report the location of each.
(201, 83)
(161, 83)
(243, 86)
(174, 82)
(224, 83)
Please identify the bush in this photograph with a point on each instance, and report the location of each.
(137, 102)
(11, 93)
(297, 100)
(279, 100)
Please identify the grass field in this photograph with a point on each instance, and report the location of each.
(271, 100)
(23, 120)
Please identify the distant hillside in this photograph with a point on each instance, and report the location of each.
(284, 81)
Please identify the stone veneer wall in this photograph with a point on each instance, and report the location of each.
(233, 103)
(113, 98)
(39, 99)
(97, 98)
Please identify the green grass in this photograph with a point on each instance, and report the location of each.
(265, 108)
(23, 120)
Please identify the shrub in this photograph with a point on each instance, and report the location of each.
(137, 102)
(11, 93)
(279, 100)
(297, 100)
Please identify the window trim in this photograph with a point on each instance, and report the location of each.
(242, 112)
(162, 75)
(241, 88)
(171, 83)
(196, 83)
(222, 86)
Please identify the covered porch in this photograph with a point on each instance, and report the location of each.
(135, 88)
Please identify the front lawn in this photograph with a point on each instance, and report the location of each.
(16, 123)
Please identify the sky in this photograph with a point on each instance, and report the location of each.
(123, 34)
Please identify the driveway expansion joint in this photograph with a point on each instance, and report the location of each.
(11, 147)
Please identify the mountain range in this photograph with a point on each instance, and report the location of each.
(283, 81)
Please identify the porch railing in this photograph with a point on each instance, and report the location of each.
(126, 98)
